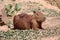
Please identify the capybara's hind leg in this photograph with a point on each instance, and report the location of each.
(27, 25)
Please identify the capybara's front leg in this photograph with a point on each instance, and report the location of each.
(35, 25)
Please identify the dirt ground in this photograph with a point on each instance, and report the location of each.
(50, 21)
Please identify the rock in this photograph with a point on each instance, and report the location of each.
(4, 28)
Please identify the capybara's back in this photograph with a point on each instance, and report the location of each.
(22, 21)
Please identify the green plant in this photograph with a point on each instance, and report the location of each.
(13, 0)
(18, 6)
(8, 10)
(1, 0)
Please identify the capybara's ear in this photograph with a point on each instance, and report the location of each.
(34, 11)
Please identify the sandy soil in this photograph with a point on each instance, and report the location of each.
(45, 24)
(4, 28)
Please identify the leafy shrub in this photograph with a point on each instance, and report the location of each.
(8, 9)
(18, 6)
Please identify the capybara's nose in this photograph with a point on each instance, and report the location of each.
(44, 18)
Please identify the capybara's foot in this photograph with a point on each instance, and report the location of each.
(35, 28)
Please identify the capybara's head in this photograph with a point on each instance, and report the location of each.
(39, 16)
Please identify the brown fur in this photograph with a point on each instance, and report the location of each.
(25, 21)
(22, 21)
(40, 18)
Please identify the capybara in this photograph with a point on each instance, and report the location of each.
(25, 21)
